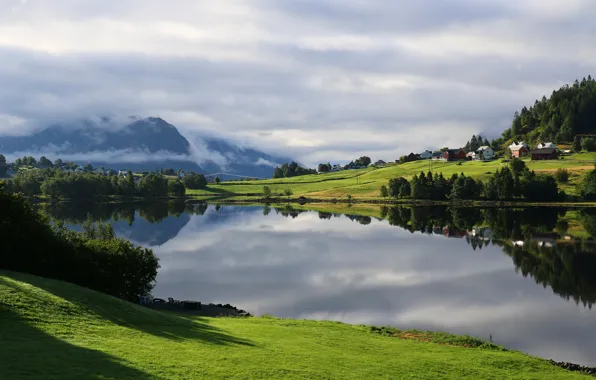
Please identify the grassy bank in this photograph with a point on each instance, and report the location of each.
(50, 329)
(365, 183)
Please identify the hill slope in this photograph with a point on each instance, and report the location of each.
(51, 329)
(139, 144)
(365, 183)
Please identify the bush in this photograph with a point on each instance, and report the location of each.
(195, 181)
(95, 259)
(562, 175)
(589, 144)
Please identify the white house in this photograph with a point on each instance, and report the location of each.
(485, 153)
(122, 173)
(182, 174)
(471, 155)
(336, 168)
(546, 145)
(426, 155)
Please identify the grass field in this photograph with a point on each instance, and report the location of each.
(53, 330)
(365, 183)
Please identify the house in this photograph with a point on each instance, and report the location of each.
(485, 153)
(518, 151)
(471, 156)
(516, 145)
(426, 155)
(454, 155)
(544, 154)
(411, 157)
(547, 145)
(437, 155)
(380, 162)
(182, 174)
(336, 168)
(122, 173)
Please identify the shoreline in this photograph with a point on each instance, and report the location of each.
(248, 199)
(443, 338)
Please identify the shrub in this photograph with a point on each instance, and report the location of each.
(562, 175)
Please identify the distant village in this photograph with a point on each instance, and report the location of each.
(542, 151)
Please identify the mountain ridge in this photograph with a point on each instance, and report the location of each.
(140, 144)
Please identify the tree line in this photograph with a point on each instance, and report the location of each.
(510, 182)
(95, 258)
(291, 169)
(56, 184)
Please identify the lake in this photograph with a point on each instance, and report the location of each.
(525, 277)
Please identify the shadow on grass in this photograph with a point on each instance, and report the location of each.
(162, 324)
(30, 353)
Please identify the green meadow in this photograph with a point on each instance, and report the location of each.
(365, 183)
(54, 330)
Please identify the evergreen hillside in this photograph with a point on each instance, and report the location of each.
(569, 111)
(54, 330)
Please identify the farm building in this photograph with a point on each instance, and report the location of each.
(454, 155)
(544, 154)
(518, 151)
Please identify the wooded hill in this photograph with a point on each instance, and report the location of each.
(569, 111)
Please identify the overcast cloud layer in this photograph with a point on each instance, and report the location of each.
(317, 79)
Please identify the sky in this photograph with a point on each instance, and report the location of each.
(318, 80)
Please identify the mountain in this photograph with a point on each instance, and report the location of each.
(568, 112)
(139, 144)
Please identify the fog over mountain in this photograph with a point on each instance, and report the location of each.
(138, 143)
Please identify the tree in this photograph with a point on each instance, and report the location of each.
(384, 191)
(589, 144)
(176, 188)
(217, 181)
(323, 168)
(288, 193)
(363, 161)
(588, 186)
(577, 144)
(562, 175)
(44, 162)
(399, 188)
(195, 181)
(266, 192)
(88, 168)
(517, 166)
(58, 163)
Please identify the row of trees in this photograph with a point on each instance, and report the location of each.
(55, 184)
(513, 181)
(94, 258)
(291, 170)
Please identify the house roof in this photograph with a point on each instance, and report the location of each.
(454, 151)
(484, 147)
(437, 154)
(544, 151)
(517, 147)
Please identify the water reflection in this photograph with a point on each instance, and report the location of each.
(460, 270)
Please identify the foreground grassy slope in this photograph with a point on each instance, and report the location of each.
(50, 329)
(365, 183)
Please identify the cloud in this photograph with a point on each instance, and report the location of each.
(121, 156)
(262, 161)
(317, 80)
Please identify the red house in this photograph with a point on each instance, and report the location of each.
(544, 154)
(519, 151)
(454, 155)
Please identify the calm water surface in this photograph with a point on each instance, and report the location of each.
(450, 277)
